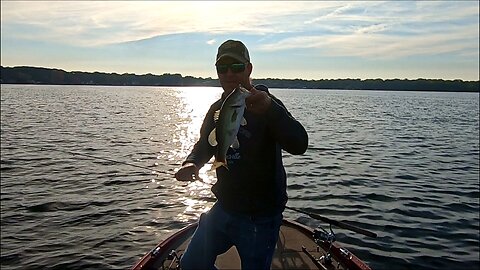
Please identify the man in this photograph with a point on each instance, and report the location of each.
(251, 192)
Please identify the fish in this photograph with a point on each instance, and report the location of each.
(227, 123)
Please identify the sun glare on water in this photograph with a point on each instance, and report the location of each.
(194, 103)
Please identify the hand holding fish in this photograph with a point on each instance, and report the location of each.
(188, 172)
(258, 102)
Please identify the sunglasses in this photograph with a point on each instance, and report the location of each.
(235, 68)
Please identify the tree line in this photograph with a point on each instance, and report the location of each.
(40, 75)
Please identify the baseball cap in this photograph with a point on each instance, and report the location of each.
(235, 49)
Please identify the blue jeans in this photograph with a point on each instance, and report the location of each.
(218, 230)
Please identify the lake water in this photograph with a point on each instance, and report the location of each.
(402, 164)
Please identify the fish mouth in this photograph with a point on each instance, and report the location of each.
(241, 88)
(230, 87)
(238, 87)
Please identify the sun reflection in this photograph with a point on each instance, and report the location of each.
(193, 210)
(194, 103)
(197, 199)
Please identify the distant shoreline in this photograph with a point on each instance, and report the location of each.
(49, 76)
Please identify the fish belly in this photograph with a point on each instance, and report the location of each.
(227, 130)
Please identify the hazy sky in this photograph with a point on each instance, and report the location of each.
(307, 40)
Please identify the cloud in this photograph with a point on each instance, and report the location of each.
(93, 23)
(97, 23)
(366, 44)
(389, 30)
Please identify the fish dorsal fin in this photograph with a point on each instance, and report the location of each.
(212, 138)
(236, 143)
(216, 115)
(244, 122)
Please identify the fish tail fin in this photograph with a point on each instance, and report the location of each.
(219, 163)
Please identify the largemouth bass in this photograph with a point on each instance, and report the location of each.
(228, 120)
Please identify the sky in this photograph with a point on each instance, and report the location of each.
(287, 40)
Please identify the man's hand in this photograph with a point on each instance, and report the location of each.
(188, 172)
(258, 102)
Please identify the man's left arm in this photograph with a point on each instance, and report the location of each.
(287, 131)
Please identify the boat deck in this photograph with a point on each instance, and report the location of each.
(295, 249)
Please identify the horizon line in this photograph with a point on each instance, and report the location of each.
(183, 76)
